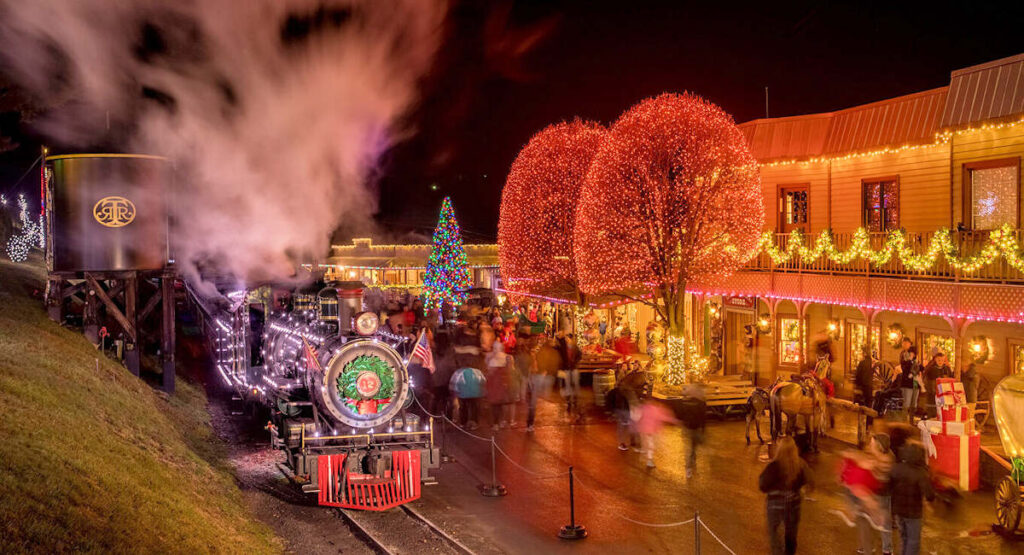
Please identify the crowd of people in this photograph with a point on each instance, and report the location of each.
(491, 369)
(913, 383)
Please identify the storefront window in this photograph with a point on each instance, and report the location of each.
(858, 339)
(932, 343)
(789, 341)
(1017, 359)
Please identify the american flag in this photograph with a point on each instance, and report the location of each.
(310, 354)
(422, 351)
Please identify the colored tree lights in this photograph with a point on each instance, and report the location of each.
(535, 229)
(447, 276)
(672, 197)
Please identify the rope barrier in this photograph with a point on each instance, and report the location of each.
(717, 539)
(527, 470)
(562, 474)
(653, 525)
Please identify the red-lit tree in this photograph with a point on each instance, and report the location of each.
(672, 198)
(538, 208)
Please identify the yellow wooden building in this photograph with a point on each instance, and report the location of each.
(940, 165)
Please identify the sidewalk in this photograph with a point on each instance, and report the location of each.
(614, 488)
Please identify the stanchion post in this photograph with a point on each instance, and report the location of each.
(494, 489)
(696, 532)
(446, 456)
(572, 531)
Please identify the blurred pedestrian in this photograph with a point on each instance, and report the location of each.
(623, 403)
(911, 484)
(570, 357)
(937, 368)
(444, 361)
(653, 417)
(467, 384)
(782, 481)
(910, 371)
(971, 378)
(864, 475)
(500, 386)
(542, 377)
(864, 378)
(694, 415)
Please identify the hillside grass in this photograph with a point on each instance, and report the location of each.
(96, 460)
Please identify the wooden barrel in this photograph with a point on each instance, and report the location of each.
(603, 383)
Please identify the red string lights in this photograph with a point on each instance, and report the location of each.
(535, 228)
(672, 197)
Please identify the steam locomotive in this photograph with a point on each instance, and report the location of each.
(336, 386)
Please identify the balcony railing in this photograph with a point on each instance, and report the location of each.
(967, 244)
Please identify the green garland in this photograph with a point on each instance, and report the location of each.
(1001, 242)
(365, 363)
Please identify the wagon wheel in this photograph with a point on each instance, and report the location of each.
(1008, 504)
(883, 375)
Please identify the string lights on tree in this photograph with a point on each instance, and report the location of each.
(447, 276)
(538, 203)
(673, 197)
(31, 235)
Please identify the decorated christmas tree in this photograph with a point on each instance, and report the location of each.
(447, 275)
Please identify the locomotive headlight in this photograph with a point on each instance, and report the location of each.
(367, 323)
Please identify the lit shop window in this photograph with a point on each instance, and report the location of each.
(995, 196)
(1017, 359)
(881, 205)
(789, 341)
(858, 339)
(932, 343)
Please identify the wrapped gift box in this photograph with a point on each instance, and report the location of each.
(949, 428)
(954, 413)
(957, 457)
(951, 393)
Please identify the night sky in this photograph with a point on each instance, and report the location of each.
(506, 70)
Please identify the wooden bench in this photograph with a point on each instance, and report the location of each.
(726, 394)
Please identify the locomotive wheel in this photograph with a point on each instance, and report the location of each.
(1008, 504)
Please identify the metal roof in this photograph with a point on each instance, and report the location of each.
(797, 136)
(909, 119)
(986, 91)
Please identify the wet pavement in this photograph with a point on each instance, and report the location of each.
(615, 493)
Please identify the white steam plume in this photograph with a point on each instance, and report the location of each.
(274, 111)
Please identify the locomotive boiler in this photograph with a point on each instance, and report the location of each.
(336, 387)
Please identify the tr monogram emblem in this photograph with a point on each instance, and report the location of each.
(114, 211)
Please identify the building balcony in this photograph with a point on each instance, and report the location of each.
(969, 246)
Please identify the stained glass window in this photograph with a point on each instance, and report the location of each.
(881, 205)
(995, 196)
(789, 341)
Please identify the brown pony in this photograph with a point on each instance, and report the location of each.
(804, 398)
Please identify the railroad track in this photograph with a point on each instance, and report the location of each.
(402, 530)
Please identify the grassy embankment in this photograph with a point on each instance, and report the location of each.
(96, 460)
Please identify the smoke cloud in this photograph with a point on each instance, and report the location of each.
(275, 112)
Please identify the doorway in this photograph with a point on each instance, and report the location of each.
(793, 208)
(738, 343)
